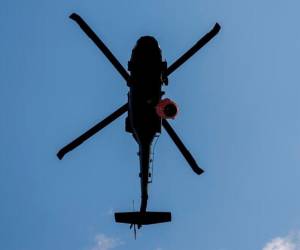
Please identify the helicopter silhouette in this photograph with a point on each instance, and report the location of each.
(146, 111)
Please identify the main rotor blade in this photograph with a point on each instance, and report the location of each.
(187, 155)
(92, 131)
(198, 45)
(91, 34)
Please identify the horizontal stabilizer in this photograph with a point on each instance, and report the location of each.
(143, 218)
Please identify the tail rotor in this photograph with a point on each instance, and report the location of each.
(133, 224)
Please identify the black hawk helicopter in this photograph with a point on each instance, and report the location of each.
(146, 110)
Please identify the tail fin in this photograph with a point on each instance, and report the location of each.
(143, 218)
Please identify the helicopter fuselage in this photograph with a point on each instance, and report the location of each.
(146, 78)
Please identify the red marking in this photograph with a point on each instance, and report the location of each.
(167, 109)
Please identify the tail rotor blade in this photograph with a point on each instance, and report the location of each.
(187, 155)
(92, 131)
(134, 229)
(91, 34)
(203, 41)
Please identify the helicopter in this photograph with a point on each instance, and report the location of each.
(147, 111)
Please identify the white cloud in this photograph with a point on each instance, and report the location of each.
(103, 242)
(290, 242)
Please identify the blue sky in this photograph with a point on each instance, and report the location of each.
(239, 116)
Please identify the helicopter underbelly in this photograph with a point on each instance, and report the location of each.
(143, 119)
